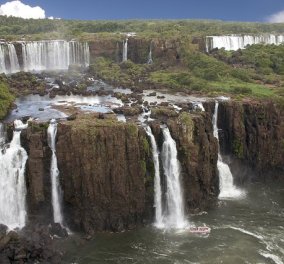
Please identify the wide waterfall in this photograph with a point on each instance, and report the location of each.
(54, 174)
(12, 181)
(9, 62)
(54, 55)
(174, 217)
(226, 181)
(235, 42)
(157, 181)
(43, 55)
(124, 51)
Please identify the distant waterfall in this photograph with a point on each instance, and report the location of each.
(150, 59)
(174, 218)
(226, 183)
(157, 181)
(124, 51)
(8, 59)
(12, 181)
(235, 42)
(54, 55)
(54, 174)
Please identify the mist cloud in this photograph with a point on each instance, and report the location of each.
(277, 17)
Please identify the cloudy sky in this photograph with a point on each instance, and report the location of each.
(237, 10)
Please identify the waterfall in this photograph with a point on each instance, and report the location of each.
(157, 181)
(174, 197)
(9, 62)
(124, 51)
(14, 62)
(150, 59)
(235, 42)
(54, 174)
(12, 182)
(54, 55)
(226, 182)
(2, 135)
(44, 55)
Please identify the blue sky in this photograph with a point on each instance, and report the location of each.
(237, 10)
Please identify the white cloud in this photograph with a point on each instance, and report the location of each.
(277, 17)
(18, 9)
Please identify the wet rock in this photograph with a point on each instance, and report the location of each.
(57, 230)
(109, 193)
(72, 117)
(128, 111)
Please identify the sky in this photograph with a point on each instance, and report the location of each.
(237, 10)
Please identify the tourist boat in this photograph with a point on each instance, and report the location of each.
(203, 230)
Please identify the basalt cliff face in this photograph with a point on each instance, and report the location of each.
(107, 172)
(253, 134)
(103, 171)
(197, 153)
(138, 50)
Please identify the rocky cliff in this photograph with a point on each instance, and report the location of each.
(107, 172)
(103, 169)
(253, 132)
(166, 51)
(197, 153)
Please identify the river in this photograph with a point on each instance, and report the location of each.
(250, 230)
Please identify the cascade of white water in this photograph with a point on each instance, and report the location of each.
(54, 174)
(14, 62)
(235, 42)
(157, 181)
(2, 59)
(174, 217)
(2, 134)
(8, 58)
(150, 59)
(124, 51)
(226, 182)
(12, 182)
(54, 55)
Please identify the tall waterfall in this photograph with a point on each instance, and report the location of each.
(157, 181)
(235, 42)
(54, 55)
(54, 174)
(2, 134)
(124, 51)
(226, 182)
(174, 217)
(12, 182)
(9, 62)
(150, 59)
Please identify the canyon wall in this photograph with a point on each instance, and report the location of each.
(138, 50)
(107, 172)
(253, 134)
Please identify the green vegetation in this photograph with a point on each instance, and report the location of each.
(254, 72)
(125, 74)
(6, 98)
(46, 28)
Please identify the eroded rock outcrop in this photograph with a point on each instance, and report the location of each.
(103, 169)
